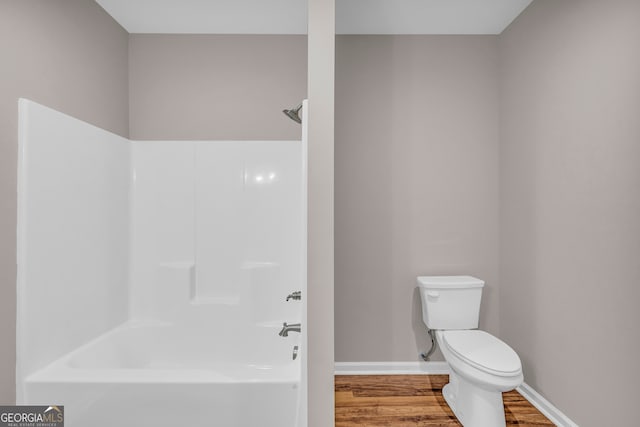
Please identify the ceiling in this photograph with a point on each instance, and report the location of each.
(290, 16)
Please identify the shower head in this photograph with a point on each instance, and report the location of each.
(294, 113)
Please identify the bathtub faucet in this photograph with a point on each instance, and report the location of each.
(294, 327)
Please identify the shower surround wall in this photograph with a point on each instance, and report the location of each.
(73, 245)
(217, 225)
(192, 312)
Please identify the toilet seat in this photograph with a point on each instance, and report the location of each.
(483, 351)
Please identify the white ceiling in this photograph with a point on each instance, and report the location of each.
(290, 16)
(426, 16)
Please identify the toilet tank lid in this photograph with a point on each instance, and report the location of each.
(449, 282)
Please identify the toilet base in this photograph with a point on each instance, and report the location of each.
(473, 405)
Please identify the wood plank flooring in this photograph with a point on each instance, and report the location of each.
(412, 401)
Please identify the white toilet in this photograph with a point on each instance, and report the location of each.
(481, 366)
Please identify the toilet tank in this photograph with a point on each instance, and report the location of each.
(450, 302)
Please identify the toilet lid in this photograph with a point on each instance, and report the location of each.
(484, 351)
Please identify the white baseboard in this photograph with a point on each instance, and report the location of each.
(554, 414)
(439, 368)
(391, 368)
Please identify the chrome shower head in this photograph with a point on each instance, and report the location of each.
(294, 113)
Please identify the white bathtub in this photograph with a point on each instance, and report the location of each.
(161, 375)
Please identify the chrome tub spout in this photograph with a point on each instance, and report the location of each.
(294, 327)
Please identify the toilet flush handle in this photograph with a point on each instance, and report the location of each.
(433, 294)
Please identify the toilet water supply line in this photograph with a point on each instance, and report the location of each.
(427, 355)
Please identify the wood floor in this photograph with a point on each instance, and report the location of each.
(411, 401)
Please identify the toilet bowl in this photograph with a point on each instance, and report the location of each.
(481, 366)
(481, 369)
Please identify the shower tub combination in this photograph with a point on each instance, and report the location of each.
(155, 277)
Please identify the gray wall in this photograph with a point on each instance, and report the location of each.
(570, 204)
(69, 55)
(215, 86)
(416, 183)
